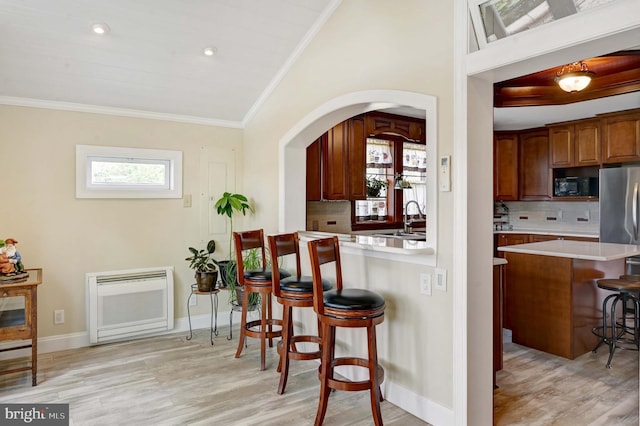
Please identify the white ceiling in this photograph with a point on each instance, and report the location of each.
(152, 59)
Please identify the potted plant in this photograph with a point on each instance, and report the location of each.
(228, 205)
(205, 266)
(375, 185)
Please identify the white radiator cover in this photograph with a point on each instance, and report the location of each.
(131, 303)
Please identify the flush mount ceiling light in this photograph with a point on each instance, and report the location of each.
(574, 77)
(209, 51)
(100, 28)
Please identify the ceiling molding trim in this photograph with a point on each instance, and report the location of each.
(122, 112)
(308, 37)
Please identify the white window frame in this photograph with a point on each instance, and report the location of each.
(85, 154)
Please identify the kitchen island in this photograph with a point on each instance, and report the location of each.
(551, 296)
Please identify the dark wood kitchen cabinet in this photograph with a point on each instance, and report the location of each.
(314, 165)
(621, 136)
(575, 144)
(380, 123)
(336, 163)
(533, 165)
(505, 166)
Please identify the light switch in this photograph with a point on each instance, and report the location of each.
(186, 200)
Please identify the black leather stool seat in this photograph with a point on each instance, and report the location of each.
(303, 285)
(355, 299)
(263, 274)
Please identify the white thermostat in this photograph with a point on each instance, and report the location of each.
(445, 173)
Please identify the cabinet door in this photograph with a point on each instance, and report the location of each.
(357, 160)
(334, 163)
(587, 143)
(505, 166)
(536, 238)
(533, 167)
(621, 137)
(314, 191)
(561, 146)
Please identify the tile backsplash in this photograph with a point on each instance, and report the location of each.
(560, 216)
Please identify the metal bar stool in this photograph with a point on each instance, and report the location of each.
(344, 307)
(620, 315)
(294, 291)
(256, 281)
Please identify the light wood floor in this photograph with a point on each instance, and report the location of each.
(170, 381)
(536, 388)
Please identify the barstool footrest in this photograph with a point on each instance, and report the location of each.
(348, 385)
(299, 355)
(257, 334)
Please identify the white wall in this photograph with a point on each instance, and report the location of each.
(69, 237)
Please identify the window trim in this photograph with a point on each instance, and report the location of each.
(85, 154)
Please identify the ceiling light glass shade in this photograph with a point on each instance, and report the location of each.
(576, 78)
(100, 28)
(210, 51)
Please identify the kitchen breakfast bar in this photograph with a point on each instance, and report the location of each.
(551, 300)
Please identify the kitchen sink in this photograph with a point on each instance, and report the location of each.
(419, 236)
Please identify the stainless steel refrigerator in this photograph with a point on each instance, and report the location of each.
(620, 209)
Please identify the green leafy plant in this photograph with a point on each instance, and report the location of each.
(375, 185)
(202, 260)
(251, 260)
(229, 204)
(205, 266)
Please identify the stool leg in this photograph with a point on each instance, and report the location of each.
(328, 340)
(614, 334)
(269, 316)
(284, 356)
(243, 321)
(375, 393)
(263, 332)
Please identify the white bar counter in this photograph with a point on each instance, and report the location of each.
(384, 244)
(576, 249)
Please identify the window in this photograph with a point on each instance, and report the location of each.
(496, 19)
(114, 172)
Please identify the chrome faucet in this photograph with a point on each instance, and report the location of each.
(406, 208)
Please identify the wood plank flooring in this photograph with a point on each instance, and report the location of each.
(170, 381)
(536, 388)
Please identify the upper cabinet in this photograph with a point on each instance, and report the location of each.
(505, 171)
(575, 144)
(621, 136)
(533, 166)
(380, 123)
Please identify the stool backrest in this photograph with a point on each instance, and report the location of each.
(321, 252)
(248, 240)
(279, 246)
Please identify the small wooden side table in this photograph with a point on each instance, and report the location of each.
(213, 296)
(19, 317)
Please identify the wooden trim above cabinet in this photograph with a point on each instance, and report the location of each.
(382, 123)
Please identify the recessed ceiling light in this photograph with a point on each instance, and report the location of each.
(100, 28)
(210, 51)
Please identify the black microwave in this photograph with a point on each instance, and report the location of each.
(575, 187)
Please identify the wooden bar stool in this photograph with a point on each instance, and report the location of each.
(256, 281)
(344, 307)
(620, 315)
(294, 291)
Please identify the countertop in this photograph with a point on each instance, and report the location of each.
(368, 242)
(576, 249)
(540, 232)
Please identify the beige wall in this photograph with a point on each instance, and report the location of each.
(369, 45)
(69, 237)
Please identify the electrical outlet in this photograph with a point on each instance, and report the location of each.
(441, 279)
(58, 316)
(193, 301)
(425, 284)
